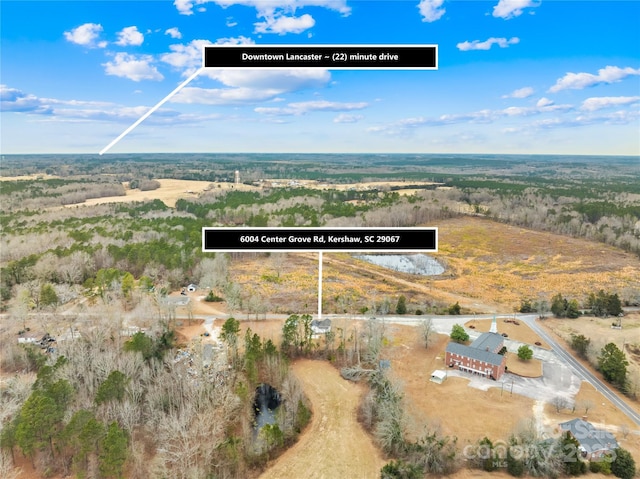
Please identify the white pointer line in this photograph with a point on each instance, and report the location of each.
(146, 115)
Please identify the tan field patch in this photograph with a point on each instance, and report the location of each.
(39, 176)
(170, 191)
(518, 332)
(503, 264)
(529, 369)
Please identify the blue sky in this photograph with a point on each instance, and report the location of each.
(515, 76)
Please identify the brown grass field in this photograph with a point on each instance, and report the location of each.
(503, 264)
(169, 192)
(529, 369)
(490, 268)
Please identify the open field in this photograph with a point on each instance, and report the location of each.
(600, 332)
(170, 191)
(173, 189)
(490, 268)
(333, 445)
(503, 264)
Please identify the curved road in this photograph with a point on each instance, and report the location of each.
(581, 371)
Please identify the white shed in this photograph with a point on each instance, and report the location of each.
(438, 376)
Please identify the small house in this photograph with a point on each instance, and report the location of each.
(320, 327)
(594, 444)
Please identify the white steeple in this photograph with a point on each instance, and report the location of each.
(494, 326)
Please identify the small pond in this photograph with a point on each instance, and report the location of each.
(266, 401)
(420, 264)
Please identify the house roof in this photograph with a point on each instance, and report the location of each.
(590, 438)
(492, 341)
(325, 323)
(475, 353)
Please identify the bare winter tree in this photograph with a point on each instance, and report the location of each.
(585, 404)
(560, 403)
(426, 331)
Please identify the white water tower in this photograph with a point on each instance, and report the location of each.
(236, 177)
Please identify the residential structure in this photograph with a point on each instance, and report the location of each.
(320, 326)
(595, 444)
(480, 357)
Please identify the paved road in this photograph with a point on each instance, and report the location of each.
(581, 371)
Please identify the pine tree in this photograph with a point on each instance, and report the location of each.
(613, 364)
(113, 452)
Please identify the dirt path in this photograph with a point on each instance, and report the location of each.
(334, 445)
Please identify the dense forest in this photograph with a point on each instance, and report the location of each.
(44, 242)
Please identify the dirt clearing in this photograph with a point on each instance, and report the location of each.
(334, 445)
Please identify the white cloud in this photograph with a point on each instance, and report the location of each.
(431, 10)
(512, 8)
(133, 67)
(578, 81)
(185, 7)
(301, 108)
(323, 105)
(486, 116)
(598, 103)
(85, 111)
(542, 102)
(130, 36)
(345, 118)
(525, 92)
(189, 57)
(86, 35)
(275, 111)
(266, 7)
(621, 117)
(282, 81)
(173, 33)
(221, 96)
(12, 99)
(402, 127)
(241, 40)
(231, 22)
(487, 44)
(283, 24)
(185, 57)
